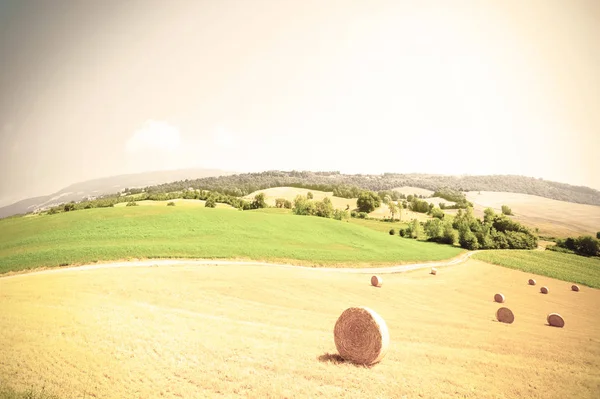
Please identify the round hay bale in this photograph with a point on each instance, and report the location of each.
(433, 271)
(544, 290)
(376, 281)
(361, 336)
(531, 281)
(499, 298)
(575, 287)
(555, 320)
(505, 315)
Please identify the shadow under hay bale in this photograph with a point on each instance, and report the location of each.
(331, 358)
(505, 315)
(376, 281)
(555, 320)
(575, 288)
(361, 336)
(499, 298)
(544, 290)
(531, 281)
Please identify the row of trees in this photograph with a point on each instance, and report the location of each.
(582, 245)
(324, 208)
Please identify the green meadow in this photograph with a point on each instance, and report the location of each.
(566, 267)
(104, 234)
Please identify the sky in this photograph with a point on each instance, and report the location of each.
(95, 89)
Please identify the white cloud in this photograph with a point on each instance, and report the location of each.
(153, 136)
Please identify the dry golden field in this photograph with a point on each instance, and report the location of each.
(408, 190)
(262, 331)
(289, 193)
(553, 218)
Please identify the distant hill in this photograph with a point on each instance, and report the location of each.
(106, 185)
(240, 185)
(244, 184)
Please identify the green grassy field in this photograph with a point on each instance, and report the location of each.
(566, 267)
(184, 232)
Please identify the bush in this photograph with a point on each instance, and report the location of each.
(69, 207)
(339, 214)
(437, 213)
(52, 211)
(170, 203)
(392, 232)
(598, 235)
(132, 203)
(506, 210)
(309, 195)
(401, 232)
(280, 202)
(287, 204)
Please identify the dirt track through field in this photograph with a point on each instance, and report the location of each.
(201, 262)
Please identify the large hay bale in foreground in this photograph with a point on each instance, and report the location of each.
(531, 281)
(376, 281)
(555, 320)
(575, 287)
(505, 315)
(499, 298)
(544, 290)
(361, 336)
(433, 271)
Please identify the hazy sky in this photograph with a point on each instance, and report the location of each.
(93, 89)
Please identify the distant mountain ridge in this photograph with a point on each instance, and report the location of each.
(104, 186)
(246, 183)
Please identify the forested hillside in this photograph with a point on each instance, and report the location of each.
(349, 185)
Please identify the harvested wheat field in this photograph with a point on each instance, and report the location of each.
(552, 217)
(290, 193)
(261, 331)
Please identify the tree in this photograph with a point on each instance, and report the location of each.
(400, 207)
(309, 195)
(433, 229)
(259, 201)
(467, 239)
(302, 206)
(488, 215)
(393, 208)
(70, 207)
(210, 202)
(324, 208)
(506, 210)
(287, 204)
(587, 245)
(368, 201)
(598, 235)
(416, 229)
(449, 236)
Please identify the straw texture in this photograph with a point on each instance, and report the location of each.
(361, 336)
